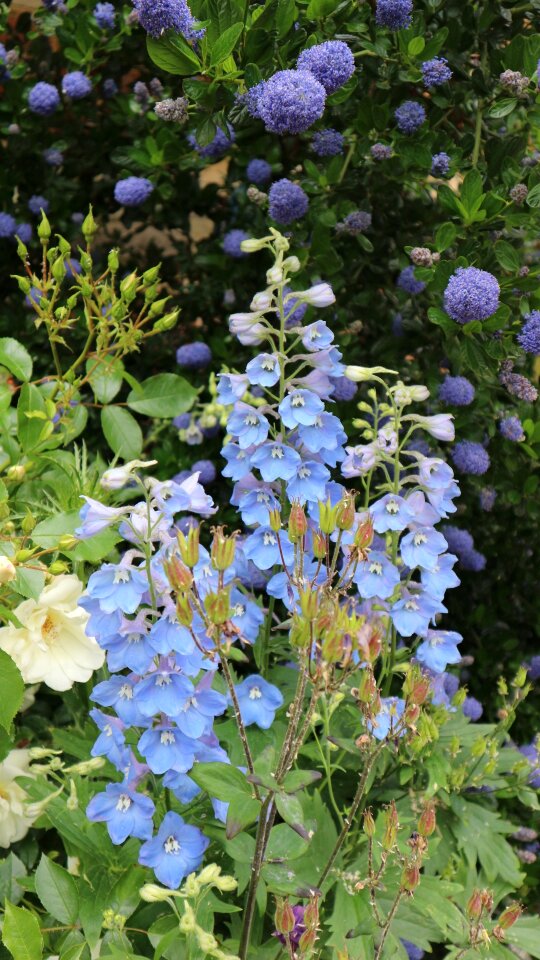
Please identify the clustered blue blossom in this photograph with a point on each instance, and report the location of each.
(24, 232)
(529, 335)
(456, 391)
(8, 226)
(331, 62)
(291, 101)
(53, 157)
(110, 88)
(379, 151)
(133, 191)
(327, 143)
(287, 201)
(407, 281)
(43, 99)
(217, 147)
(471, 457)
(516, 384)
(461, 543)
(157, 16)
(354, 223)
(511, 429)
(76, 85)
(488, 496)
(194, 356)
(440, 164)
(37, 203)
(409, 117)
(259, 172)
(471, 294)
(435, 72)
(104, 15)
(232, 243)
(395, 14)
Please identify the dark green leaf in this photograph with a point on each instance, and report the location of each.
(21, 934)
(221, 780)
(173, 54)
(57, 891)
(122, 432)
(241, 813)
(165, 395)
(16, 358)
(11, 690)
(225, 44)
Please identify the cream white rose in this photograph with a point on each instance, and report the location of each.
(15, 818)
(51, 647)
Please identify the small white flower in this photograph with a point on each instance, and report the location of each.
(117, 477)
(7, 570)
(15, 818)
(320, 295)
(51, 646)
(363, 374)
(439, 426)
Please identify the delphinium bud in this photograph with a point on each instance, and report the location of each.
(509, 916)
(391, 827)
(309, 603)
(410, 877)
(297, 523)
(189, 546)
(319, 545)
(366, 691)
(327, 517)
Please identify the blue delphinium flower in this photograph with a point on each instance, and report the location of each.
(441, 576)
(126, 812)
(264, 370)
(410, 116)
(133, 191)
(439, 649)
(206, 470)
(43, 99)
(511, 429)
(301, 407)
(395, 14)
(471, 294)
(422, 548)
(76, 85)
(472, 708)
(413, 952)
(37, 203)
(440, 164)
(414, 612)
(435, 72)
(194, 356)
(470, 457)
(331, 62)
(118, 587)
(176, 850)
(456, 391)
(266, 548)
(259, 172)
(309, 484)
(157, 16)
(408, 282)
(165, 748)
(217, 147)
(104, 15)
(376, 577)
(276, 461)
(327, 143)
(391, 512)
(529, 335)
(232, 243)
(258, 701)
(386, 723)
(344, 389)
(531, 752)
(8, 225)
(247, 425)
(291, 101)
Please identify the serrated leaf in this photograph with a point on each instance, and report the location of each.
(21, 934)
(16, 358)
(11, 690)
(57, 891)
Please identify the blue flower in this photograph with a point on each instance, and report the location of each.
(164, 691)
(8, 225)
(128, 649)
(387, 720)
(218, 146)
(111, 741)
(413, 613)
(421, 548)
(327, 143)
(238, 461)
(104, 15)
(133, 191)
(391, 512)
(413, 952)
(471, 294)
(176, 851)
(37, 204)
(440, 164)
(259, 172)
(472, 708)
(457, 391)
(326, 434)
(435, 72)
(316, 336)
(193, 356)
(276, 461)
(409, 117)
(157, 16)
(232, 243)
(258, 701)
(529, 336)
(248, 425)
(287, 201)
(43, 99)
(331, 62)
(394, 14)
(511, 429)
(470, 457)
(126, 813)
(263, 548)
(76, 85)
(441, 577)
(246, 615)
(164, 748)
(439, 649)
(290, 101)
(379, 151)
(301, 407)
(408, 282)
(487, 498)
(309, 483)
(119, 692)
(118, 587)
(95, 517)
(376, 576)
(255, 505)
(264, 370)
(231, 387)
(197, 712)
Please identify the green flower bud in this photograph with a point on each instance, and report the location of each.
(44, 229)
(113, 261)
(59, 270)
(89, 227)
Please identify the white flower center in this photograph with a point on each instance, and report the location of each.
(269, 540)
(171, 845)
(163, 680)
(268, 364)
(124, 803)
(304, 472)
(167, 737)
(251, 420)
(239, 610)
(263, 497)
(392, 507)
(190, 702)
(376, 568)
(121, 575)
(255, 693)
(298, 401)
(126, 692)
(411, 605)
(277, 453)
(419, 538)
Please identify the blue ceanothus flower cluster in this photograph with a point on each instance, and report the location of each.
(169, 611)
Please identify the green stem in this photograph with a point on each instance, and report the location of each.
(477, 135)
